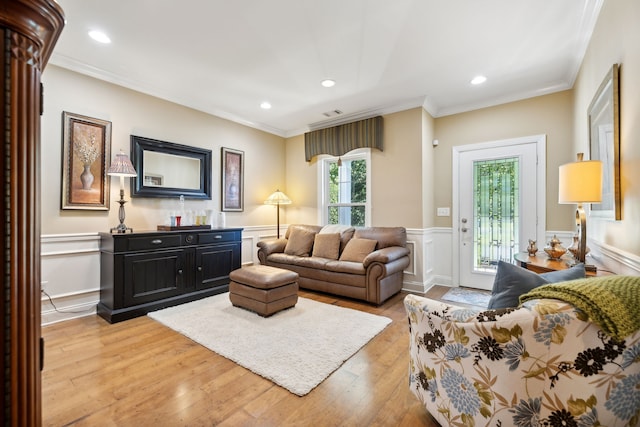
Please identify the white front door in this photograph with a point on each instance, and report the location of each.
(498, 205)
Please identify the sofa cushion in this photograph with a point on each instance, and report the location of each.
(385, 236)
(345, 267)
(511, 281)
(300, 242)
(346, 233)
(326, 245)
(307, 227)
(300, 261)
(358, 249)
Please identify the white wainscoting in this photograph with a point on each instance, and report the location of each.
(615, 260)
(70, 274)
(250, 238)
(430, 253)
(71, 265)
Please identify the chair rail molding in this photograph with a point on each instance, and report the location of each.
(615, 260)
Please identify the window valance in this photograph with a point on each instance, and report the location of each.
(339, 140)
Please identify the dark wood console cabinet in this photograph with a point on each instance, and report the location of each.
(143, 272)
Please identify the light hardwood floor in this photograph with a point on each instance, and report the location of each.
(139, 373)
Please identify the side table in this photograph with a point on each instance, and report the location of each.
(541, 263)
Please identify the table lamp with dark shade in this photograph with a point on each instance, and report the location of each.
(580, 182)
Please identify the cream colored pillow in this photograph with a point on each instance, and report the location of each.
(326, 245)
(358, 249)
(300, 242)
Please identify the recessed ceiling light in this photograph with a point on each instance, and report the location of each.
(99, 36)
(265, 105)
(328, 83)
(478, 80)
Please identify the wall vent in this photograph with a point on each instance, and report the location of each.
(332, 113)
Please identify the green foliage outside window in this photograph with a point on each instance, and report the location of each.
(349, 203)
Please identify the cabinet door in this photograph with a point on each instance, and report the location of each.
(153, 276)
(214, 263)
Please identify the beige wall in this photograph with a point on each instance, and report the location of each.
(397, 186)
(397, 175)
(429, 180)
(302, 184)
(615, 40)
(131, 112)
(550, 115)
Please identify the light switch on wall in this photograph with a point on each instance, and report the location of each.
(442, 212)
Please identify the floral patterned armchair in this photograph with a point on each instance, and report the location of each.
(542, 364)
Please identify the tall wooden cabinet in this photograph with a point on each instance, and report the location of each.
(29, 30)
(142, 272)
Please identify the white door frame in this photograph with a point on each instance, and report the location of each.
(541, 191)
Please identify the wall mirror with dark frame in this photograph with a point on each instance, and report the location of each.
(167, 169)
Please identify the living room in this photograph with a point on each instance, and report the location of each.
(70, 244)
(411, 178)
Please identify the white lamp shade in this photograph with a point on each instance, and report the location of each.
(121, 166)
(580, 182)
(278, 198)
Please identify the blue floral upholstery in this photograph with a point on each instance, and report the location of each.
(542, 364)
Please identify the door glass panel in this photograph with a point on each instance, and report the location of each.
(496, 216)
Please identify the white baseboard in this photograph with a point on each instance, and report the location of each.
(68, 307)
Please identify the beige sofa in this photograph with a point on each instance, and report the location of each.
(363, 263)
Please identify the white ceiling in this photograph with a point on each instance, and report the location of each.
(226, 57)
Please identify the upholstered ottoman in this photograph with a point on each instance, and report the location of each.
(263, 289)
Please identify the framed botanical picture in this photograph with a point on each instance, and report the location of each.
(232, 180)
(86, 151)
(604, 144)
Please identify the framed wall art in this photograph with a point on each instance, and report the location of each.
(604, 144)
(86, 153)
(232, 180)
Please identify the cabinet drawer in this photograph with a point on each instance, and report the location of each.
(216, 237)
(153, 242)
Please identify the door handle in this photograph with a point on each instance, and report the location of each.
(464, 229)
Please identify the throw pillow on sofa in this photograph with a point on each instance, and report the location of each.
(511, 281)
(345, 231)
(300, 242)
(326, 245)
(358, 249)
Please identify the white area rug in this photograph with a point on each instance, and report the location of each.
(475, 297)
(295, 348)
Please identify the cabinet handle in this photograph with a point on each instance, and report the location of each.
(217, 236)
(199, 268)
(180, 272)
(156, 241)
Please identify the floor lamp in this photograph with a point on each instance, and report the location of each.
(278, 198)
(122, 167)
(580, 182)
